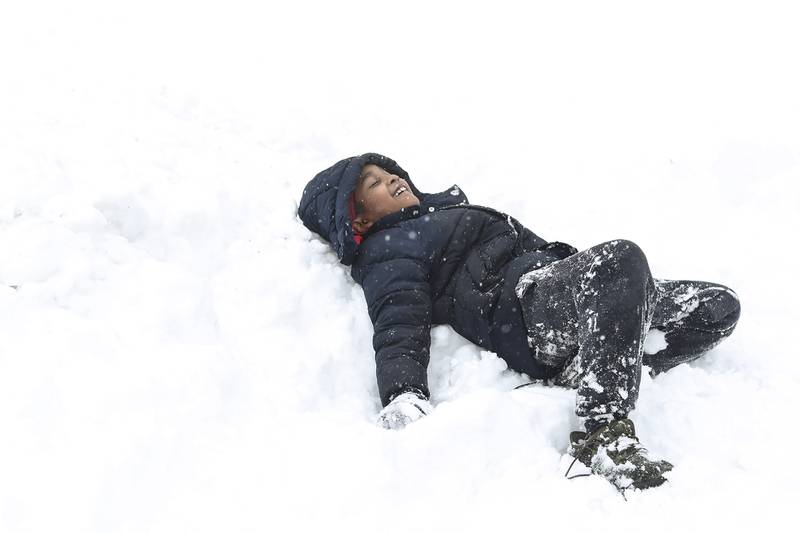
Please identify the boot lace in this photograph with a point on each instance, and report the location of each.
(589, 439)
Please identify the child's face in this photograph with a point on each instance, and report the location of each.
(377, 195)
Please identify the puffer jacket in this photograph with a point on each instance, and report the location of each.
(442, 262)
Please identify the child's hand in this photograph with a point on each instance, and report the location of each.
(404, 409)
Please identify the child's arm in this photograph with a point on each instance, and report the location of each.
(399, 300)
(530, 241)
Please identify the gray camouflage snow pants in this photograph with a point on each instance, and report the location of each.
(598, 315)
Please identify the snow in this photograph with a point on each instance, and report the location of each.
(591, 382)
(178, 353)
(655, 341)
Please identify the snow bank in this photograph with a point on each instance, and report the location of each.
(178, 353)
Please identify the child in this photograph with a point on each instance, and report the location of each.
(576, 319)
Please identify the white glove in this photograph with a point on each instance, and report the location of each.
(404, 409)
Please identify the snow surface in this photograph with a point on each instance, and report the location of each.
(178, 353)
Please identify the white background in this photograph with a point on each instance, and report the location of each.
(181, 354)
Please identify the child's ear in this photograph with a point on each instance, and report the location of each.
(361, 225)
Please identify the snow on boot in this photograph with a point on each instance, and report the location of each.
(614, 452)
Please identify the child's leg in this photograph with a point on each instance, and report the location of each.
(588, 315)
(690, 318)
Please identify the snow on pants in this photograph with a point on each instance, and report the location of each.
(592, 316)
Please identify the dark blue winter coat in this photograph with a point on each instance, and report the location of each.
(443, 262)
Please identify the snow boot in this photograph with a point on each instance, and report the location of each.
(614, 452)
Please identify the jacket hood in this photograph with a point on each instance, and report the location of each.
(324, 206)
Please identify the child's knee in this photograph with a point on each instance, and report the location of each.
(624, 259)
